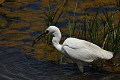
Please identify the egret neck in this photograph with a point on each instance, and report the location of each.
(56, 39)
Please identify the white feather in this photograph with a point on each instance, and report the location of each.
(84, 50)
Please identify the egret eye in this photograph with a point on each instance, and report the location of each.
(46, 31)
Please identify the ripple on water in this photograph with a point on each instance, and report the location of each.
(14, 65)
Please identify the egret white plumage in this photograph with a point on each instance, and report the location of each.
(77, 49)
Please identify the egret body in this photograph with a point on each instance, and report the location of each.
(77, 49)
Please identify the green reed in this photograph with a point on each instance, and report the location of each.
(52, 17)
(93, 25)
(101, 31)
(105, 32)
(116, 38)
(118, 3)
(82, 33)
(111, 33)
(72, 23)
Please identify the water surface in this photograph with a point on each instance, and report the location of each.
(15, 66)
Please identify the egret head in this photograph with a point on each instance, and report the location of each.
(52, 29)
(49, 30)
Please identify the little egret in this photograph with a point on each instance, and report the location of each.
(78, 50)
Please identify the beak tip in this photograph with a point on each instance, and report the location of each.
(38, 38)
(34, 42)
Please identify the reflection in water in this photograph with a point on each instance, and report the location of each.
(20, 23)
(14, 65)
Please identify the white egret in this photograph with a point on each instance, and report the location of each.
(78, 50)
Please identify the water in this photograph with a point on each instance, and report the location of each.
(15, 66)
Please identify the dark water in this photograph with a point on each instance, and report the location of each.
(15, 66)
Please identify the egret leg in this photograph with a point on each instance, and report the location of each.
(80, 66)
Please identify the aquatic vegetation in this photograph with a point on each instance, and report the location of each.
(112, 32)
(1, 1)
(105, 33)
(118, 3)
(72, 24)
(101, 30)
(52, 17)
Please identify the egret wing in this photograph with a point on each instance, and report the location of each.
(82, 53)
(84, 50)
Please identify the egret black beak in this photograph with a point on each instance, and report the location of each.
(39, 37)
